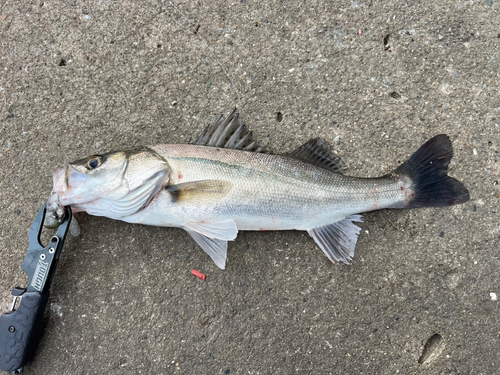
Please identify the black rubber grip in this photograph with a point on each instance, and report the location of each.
(19, 330)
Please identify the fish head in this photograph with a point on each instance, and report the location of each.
(116, 184)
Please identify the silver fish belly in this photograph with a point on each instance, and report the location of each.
(226, 183)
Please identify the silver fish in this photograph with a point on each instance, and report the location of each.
(226, 183)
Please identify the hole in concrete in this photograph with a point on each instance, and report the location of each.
(395, 95)
(62, 63)
(432, 349)
(279, 117)
(386, 40)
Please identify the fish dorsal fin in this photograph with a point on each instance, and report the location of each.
(217, 249)
(229, 132)
(199, 191)
(212, 236)
(318, 152)
(338, 240)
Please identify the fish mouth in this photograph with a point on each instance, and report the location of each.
(60, 180)
(66, 181)
(55, 206)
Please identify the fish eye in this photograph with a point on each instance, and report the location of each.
(93, 162)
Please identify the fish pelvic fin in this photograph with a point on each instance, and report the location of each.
(212, 236)
(215, 248)
(338, 240)
(427, 170)
(220, 229)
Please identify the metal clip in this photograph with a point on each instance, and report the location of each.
(17, 292)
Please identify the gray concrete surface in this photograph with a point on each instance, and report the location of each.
(84, 77)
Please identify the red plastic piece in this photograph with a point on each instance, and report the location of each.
(199, 274)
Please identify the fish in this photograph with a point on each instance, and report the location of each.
(225, 182)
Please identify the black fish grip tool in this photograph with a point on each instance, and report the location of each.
(19, 327)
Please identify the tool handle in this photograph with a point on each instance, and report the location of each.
(19, 330)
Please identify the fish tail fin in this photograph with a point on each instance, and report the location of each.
(427, 169)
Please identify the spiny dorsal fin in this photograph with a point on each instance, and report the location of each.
(318, 152)
(229, 132)
(199, 191)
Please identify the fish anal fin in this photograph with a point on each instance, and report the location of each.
(229, 132)
(338, 240)
(199, 191)
(318, 152)
(215, 248)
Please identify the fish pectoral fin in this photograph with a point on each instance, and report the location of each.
(318, 152)
(217, 249)
(229, 132)
(219, 229)
(199, 191)
(338, 240)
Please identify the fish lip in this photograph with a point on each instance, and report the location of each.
(60, 180)
(66, 183)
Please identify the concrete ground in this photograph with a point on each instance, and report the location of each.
(375, 78)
